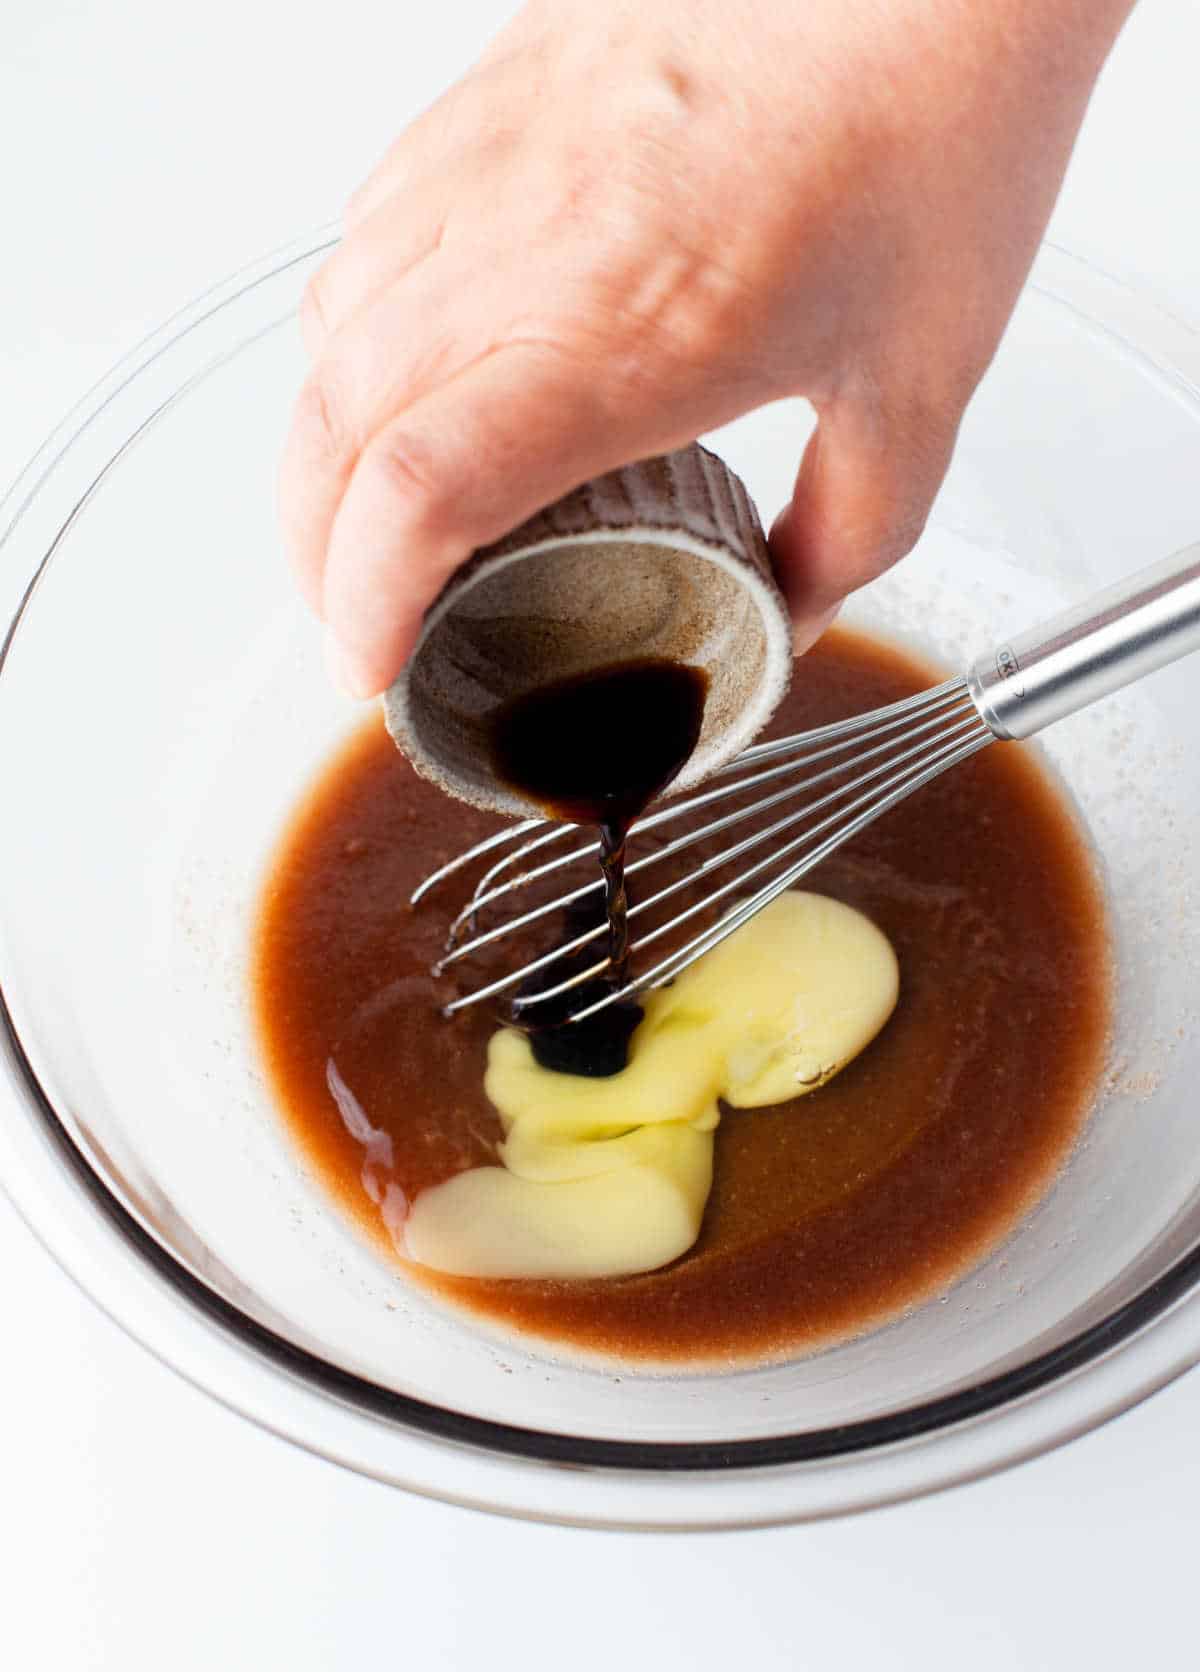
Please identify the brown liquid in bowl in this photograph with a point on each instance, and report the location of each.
(828, 1214)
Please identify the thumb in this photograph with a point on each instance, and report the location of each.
(861, 499)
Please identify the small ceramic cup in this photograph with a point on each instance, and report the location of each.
(666, 558)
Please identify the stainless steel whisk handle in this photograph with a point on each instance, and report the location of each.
(1114, 638)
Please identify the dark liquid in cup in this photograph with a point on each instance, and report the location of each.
(596, 749)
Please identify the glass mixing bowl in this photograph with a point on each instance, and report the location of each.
(162, 703)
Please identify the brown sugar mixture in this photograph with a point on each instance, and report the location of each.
(828, 1214)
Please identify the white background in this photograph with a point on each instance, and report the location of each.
(147, 148)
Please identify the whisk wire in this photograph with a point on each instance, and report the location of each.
(457, 952)
(706, 867)
(477, 852)
(936, 729)
(677, 962)
(802, 747)
(680, 843)
(898, 785)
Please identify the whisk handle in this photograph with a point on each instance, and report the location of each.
(1114, 638)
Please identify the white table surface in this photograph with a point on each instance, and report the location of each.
(147, 148)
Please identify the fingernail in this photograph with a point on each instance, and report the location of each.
(343, 671)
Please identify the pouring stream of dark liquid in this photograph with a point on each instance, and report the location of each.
(596, 749)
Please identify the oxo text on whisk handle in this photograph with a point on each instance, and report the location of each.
(1113, 638)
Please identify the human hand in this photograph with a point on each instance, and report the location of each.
(631, 223)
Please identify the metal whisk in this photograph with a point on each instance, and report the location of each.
(786, 806)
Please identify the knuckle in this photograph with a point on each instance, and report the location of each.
(321, 413)
(647, 314)
(701, 314)
(664, 305)
(414, 481)
(662, 106)
(683, 324)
